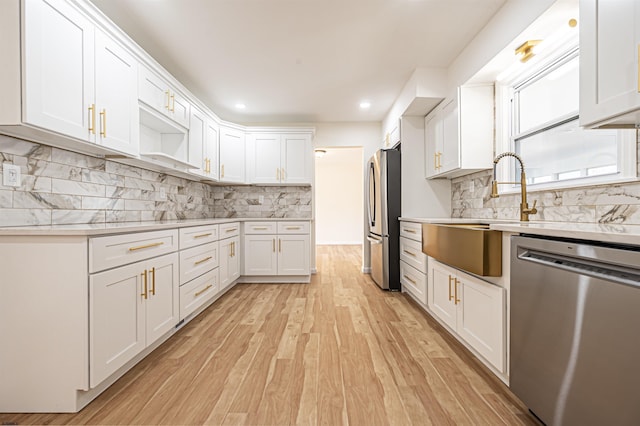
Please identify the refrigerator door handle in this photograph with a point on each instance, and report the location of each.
(374, 240)
(372, 192)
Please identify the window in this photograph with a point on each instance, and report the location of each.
(544, 131)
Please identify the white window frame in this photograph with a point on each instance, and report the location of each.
(505, 132)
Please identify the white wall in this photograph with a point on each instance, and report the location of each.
(339, 196)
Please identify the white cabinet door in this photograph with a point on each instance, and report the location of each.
(441, 298)
(232, 155)
(179, 108)
(433, 142)
(260, 255)
(609, 71)
(116, 99)
(293, 255)
(154, 91)
(58, 67)
(480, 318)
(450, 157)
(266, 158)
(296, 159)
(116, 319)
(162, 301)
(229, 261)
(211, 148)
(197, 148)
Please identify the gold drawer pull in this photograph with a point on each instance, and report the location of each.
(411, 231)
(146, 246)
(144, 275)
(203, 260)
(153, 281)
(92, 118)
(410, 253)
(412, 281)
(232, 230)
(293, 227)
(260, 228)
(455, 284)
(202, 235)
(450, 296)
(103, 123)
(198, 293)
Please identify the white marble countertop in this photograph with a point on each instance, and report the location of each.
(89, 229)
(612, 233)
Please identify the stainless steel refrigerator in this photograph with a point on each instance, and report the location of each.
(383, 211)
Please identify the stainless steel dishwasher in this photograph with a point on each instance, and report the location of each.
(575, 330)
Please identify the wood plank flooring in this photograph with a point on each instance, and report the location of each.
(338, 351)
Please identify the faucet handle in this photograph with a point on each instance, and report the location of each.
(533, 209)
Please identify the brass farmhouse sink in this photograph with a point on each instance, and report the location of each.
(472, 247)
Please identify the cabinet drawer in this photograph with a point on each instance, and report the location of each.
(197, 292)
(229, 230)
(198, 260)
(197, 235)
(109, 252)
(411, 252)
(414, 282)
(256, 228)
(411, 230)
(293, 227)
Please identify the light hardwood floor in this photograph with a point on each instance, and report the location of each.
(335, 352)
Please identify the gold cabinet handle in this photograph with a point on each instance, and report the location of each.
(293, 227)
(410, 253)
(222, 170)
(153, 281)
(455, 287)
(144, 277)
(231, 230)
(277, 174)
(103, 123)
(409, 279)
(274, 245)
(198, 293)
(168, 98)
(435, 160)
(203, 260)
(279, 245)
(208, 165)
(173, 103)
(92, 118)
(260, 228)
(450, 295)
(282, 174)
(159, 243)
(233, 249)
(202, 235)
(439, 160)
(410, 231)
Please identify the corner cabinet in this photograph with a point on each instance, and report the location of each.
(472, 309)
(609, 63)
(232, 155)
(279, 158)
(459, 133)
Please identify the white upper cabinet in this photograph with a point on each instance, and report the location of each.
(609, 55)
(459, 133)
(58, 68)
(211, 148)
(203, 144)
(279, 158)
(116, 104)
(78, 82)
(161, 96)
(232, 155)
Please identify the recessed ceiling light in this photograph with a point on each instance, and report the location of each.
(365, 105)
(241, 106)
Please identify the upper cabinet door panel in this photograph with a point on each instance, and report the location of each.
(116, 96)
(211, 148)
(609, 55)
(232, 155)
(266, 158)
(296, 159)
(58, 67)
(153, 91)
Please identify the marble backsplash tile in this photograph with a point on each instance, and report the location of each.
(63, 187)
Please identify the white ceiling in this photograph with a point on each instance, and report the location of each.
(294, 61)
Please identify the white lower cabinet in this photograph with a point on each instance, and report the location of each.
(229, 261)
(413, 262)
(277, 249)
(472, 308)
(197, 292)
(130, 307)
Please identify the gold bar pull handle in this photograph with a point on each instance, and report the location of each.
(282, 174)
(144, 279)
(202, 235)
(291, 228)
(435, 160)
(159, 243)
(231, 230)
(274, 245)
(410, 253)
(103, 123)
(92, 119)
(277, 174)
(279, 245)
(173, 103)
(222, 170)
(233, 249)
(168, 94)
(450, 295)
(455, 287)
(198, 293)
(409, 279)
(153, 281)
(410, 231)
(203, 260)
